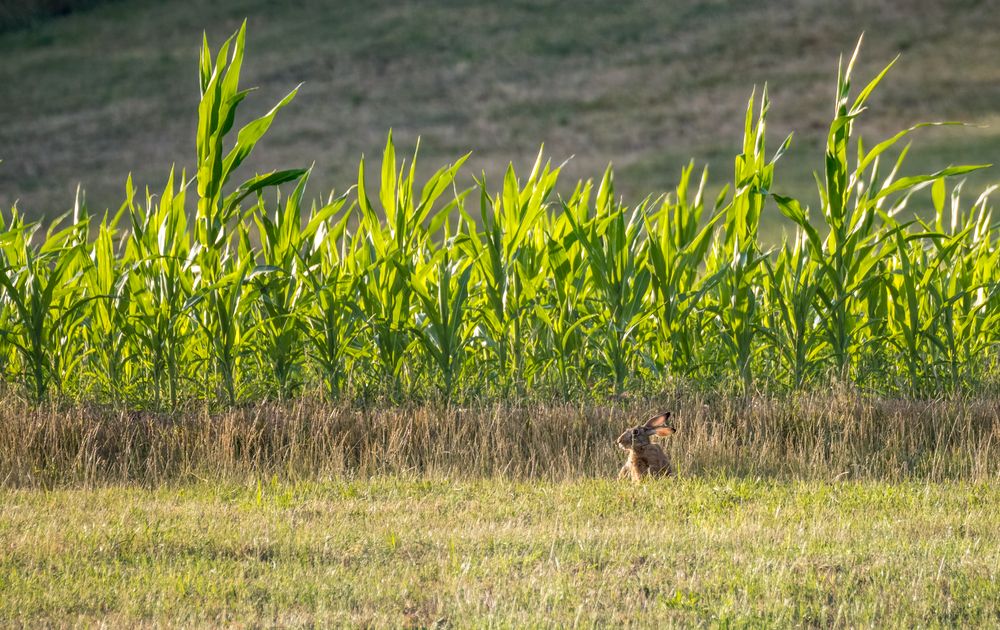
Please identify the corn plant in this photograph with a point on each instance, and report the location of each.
(390, 256)
(44, 300)
(221, 276)
(617, 267)
(679, 239)
(443, 328)
(399, 288)
(507, 257)
(158, 263)
(330, 318)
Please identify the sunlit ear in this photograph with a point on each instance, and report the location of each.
(658, 421)
(665, 431)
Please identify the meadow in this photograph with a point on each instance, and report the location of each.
(645, 84)
(444, 552)
(395, 404)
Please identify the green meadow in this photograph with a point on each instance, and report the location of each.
(438, 552)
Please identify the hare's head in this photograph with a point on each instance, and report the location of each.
(639, 436)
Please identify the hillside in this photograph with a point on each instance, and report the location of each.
(90, 96)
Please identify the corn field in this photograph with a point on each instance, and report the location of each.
(529, 288)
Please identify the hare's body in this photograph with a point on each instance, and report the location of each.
(645, 459)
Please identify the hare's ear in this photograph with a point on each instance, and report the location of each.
(664, 431)
(658, 421)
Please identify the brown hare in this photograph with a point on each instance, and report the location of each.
(644, 457)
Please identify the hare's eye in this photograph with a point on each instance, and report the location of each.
(635, 431)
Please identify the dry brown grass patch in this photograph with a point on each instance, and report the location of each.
(831, 436)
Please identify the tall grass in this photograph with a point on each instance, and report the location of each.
(414, 291)
(817, 436)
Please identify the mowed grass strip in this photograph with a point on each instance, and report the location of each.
(424, 551)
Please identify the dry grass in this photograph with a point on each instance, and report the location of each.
(832, 436)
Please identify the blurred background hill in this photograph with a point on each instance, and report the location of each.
(90, 91)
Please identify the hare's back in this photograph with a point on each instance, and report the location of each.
(655, 459)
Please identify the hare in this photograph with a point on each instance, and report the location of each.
(645, 458)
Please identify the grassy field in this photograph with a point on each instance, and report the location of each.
(440, 552)
(808, 511)
(17, 14)
(396, 408)
(94, 95)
